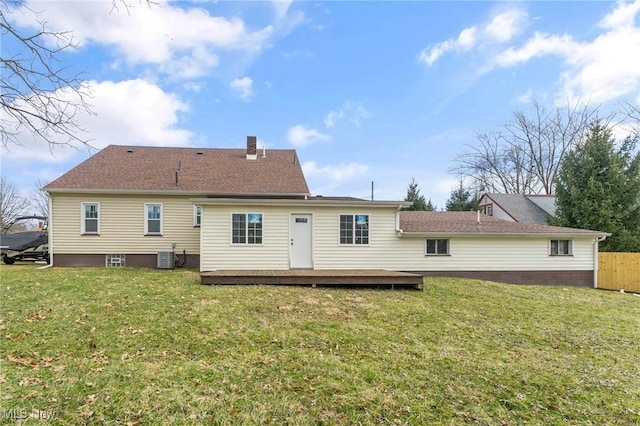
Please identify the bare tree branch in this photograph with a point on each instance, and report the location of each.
(525, 154)
(12, 202)
(38, 95)
(633, 114)
(39, 200)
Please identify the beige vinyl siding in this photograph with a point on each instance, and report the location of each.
(497, 254)
(219, 253)
(122, 219)
(379, 253)
(385, 249)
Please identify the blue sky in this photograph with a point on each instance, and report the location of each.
(365, 91)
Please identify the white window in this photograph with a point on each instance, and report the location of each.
(560, 248)
(90, 219)
(115, 260)
(153, 219)
(437, 247)
(197, 215)
(246, 228)
(354, 229)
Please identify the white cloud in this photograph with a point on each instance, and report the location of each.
(504, 26)
(300, 136)
(526, 97)
(354, 112)
(622, 16)
(501, 28)
(537, 46)
(126, 112)
(243, 87)
(335, 174)
(333, 116)
(599, 70)
(180, 41)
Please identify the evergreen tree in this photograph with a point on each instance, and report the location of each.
(461, 199)
(430, 207)
(413, 194)
(598, 188)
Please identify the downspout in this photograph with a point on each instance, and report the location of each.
(49, 235)
(398, 230)
(595, 259)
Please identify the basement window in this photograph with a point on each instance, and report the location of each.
(115, 261)
(437, 247)
(560, 248)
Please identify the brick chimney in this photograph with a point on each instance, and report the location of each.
(252, 148)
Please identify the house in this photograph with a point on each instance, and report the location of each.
(518, 207)
(251, 210)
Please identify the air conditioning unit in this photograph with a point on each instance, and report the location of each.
(166, 260)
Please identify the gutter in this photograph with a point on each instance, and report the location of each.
(504, 234)
(398, 229)
(49, 232)
(175, 192)
(297, 202)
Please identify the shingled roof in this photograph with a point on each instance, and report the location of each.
(467, 223)
(210, 171)
(525, 208)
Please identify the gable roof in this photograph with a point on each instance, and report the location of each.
(211, 171)
(545, 202)
(422, 222)
(523, 209)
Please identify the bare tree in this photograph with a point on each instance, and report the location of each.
(524, 155)
(38, 94)
(633, 115)
(12, 202)
(39, 199)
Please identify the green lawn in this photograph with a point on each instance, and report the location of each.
(126, 346)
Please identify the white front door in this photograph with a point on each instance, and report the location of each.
(301, 244)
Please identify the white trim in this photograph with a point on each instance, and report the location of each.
(356, 204)
(175, 192)
(195, 215)
(50, 230)
(146, 221)
(549, 235)
(83, 219)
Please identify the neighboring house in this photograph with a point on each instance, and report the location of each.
(518, 207)
(233, 209)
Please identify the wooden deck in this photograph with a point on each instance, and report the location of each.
(352, 277)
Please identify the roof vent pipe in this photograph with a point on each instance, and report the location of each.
(478, 223)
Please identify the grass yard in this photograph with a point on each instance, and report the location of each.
(125, 346)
